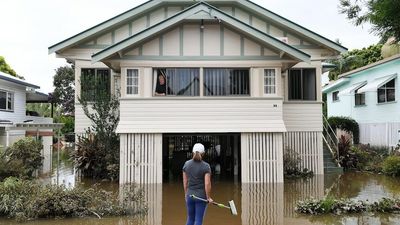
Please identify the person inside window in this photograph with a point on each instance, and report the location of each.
(161, 86)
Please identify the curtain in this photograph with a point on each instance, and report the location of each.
(223, 82)
(183, 81)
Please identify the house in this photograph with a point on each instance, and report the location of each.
(15, 124)
(233, 75)
(369, 95)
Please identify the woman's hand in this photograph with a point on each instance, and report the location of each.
(210, 200)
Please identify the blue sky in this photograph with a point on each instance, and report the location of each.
(30, 27)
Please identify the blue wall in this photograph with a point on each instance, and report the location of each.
(372, 111)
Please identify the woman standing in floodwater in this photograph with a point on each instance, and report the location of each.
(197, 181)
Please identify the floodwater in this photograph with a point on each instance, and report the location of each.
(257, 204)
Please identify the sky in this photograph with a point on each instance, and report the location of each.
(29, 27)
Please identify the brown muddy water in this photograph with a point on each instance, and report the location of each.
(257, 204)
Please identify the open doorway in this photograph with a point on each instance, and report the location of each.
(222, 153)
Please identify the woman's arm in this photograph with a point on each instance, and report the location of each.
(207, 184)
(185, 183)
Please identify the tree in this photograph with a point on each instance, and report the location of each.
(4, 67)
(382, 14)
(64, 92)
(355, 59)
(97, 153)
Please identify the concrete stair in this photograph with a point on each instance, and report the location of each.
(329, 164)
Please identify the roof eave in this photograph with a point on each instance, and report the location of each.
(103, 26)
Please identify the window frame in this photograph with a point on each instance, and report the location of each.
(385, 88)
(155, 77)
(8, 93)
(138, 82)
(302, 85)
(264, 79)
(110, 83)
(335, 96)
(359, 94)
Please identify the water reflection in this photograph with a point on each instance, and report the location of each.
(257, 204)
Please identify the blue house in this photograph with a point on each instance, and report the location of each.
(370, 95)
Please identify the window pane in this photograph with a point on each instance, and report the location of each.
(103, 83)
(335, 96)
(295, 85)
(88, 84)
(309, 84)
(10, 104)
(359, 99)
(183, 82)
(223, 82)
(391, 95)
(132, 83)
(390, 84)
(3, 100)
(381, 95)
(269, 81)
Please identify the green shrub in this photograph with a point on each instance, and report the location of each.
(22, 159)
(291, 165)
(346, 124)
(391, 166)
(23, 199)
(341, 206)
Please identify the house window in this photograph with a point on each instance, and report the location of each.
(95, 83)
(6, 100)
(226, 82)
(177, 82)
(335, 96)
(387, 92)
(359, 98)
(302, 84)
(269, 81)
(132, 82)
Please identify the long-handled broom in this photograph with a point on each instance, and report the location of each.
(231, 203)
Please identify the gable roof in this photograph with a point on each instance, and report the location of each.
(15, 80)
(119, 19)
(211, 12)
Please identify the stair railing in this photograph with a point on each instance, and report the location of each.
(331, 140)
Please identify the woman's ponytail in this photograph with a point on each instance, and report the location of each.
(197, 156)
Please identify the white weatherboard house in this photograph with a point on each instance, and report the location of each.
(15, 124)
(370, 95)
(233, 75)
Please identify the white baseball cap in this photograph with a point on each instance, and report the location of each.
(198, 148)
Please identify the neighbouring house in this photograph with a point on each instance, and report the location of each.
(16, 123)
(369, 95)
(232, 75)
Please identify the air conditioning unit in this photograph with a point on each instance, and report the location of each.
(284, 39)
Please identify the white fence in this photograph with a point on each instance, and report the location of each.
(384, 134)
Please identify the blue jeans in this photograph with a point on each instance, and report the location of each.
(195, 210)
